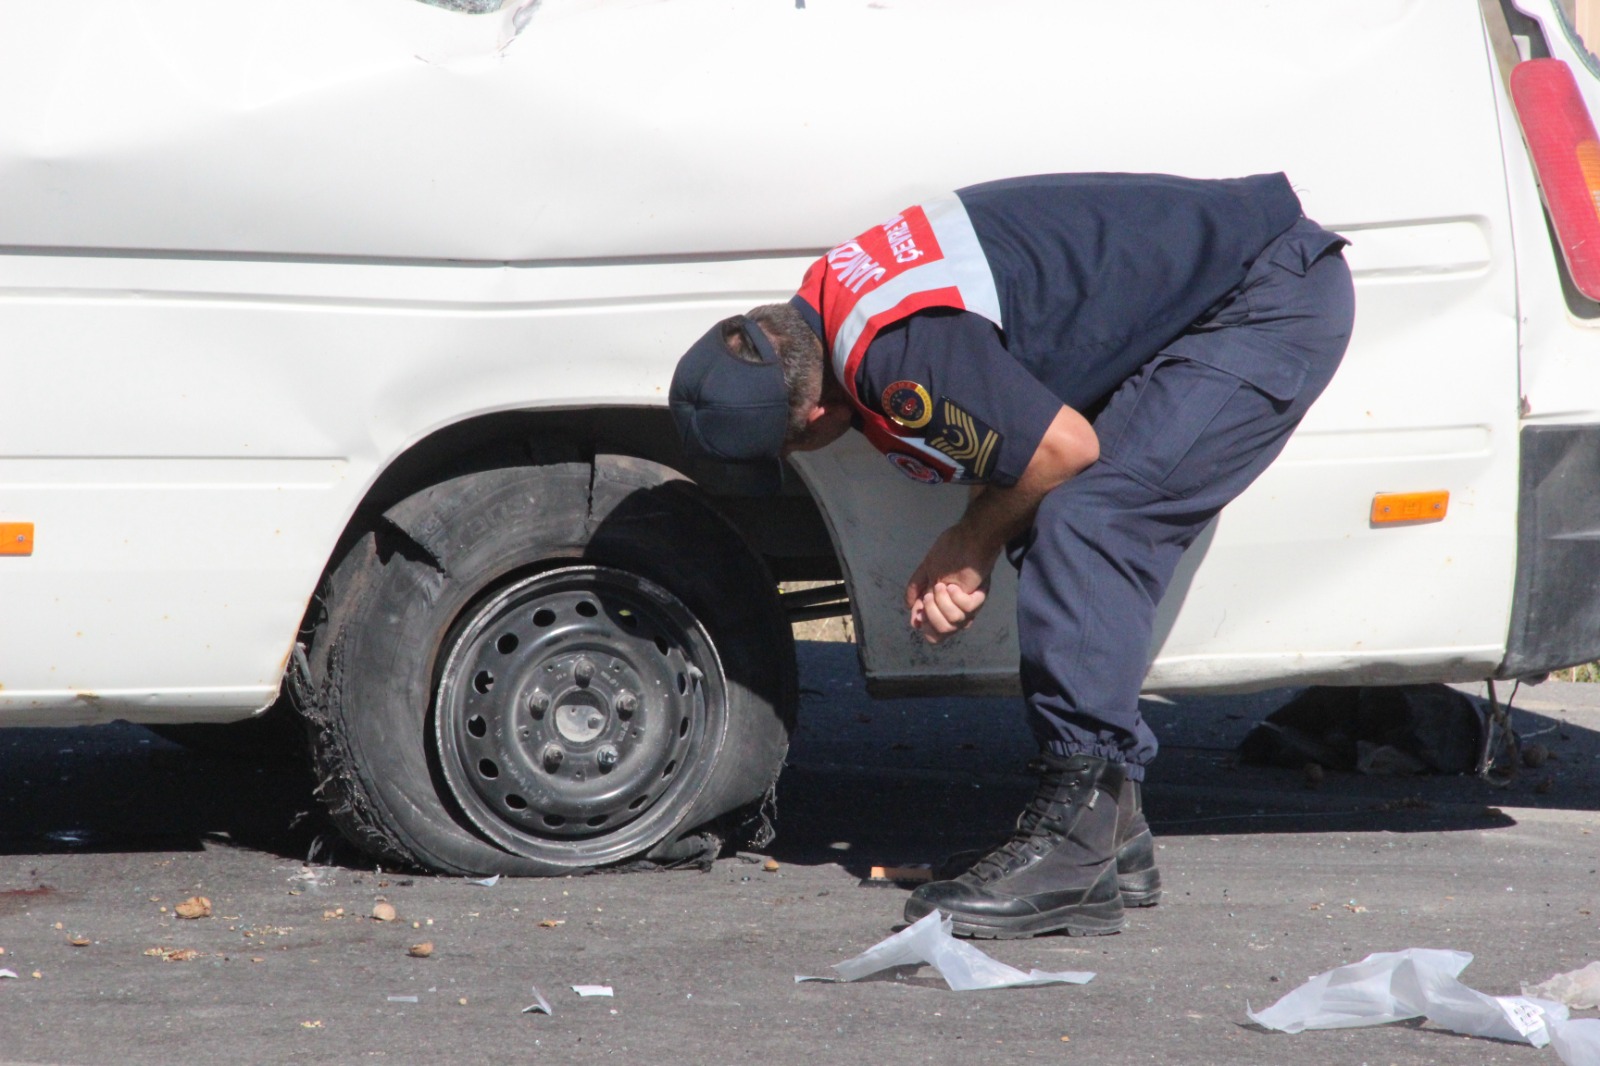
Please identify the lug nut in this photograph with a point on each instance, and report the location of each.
(625, 704)
(551, 756)
(606, 757)
(538, 702)
(583, 671)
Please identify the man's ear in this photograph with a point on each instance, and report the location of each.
(821, 409)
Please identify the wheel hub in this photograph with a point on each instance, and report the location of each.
(579, 722)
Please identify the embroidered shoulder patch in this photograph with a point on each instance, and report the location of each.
(969, 441)
(908, 404)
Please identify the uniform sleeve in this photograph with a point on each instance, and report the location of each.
(945, 375)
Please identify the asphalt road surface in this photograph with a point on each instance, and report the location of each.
(1270, 877)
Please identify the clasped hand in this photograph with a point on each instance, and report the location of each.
(948, 589)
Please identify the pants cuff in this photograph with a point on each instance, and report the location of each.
(1066, 749)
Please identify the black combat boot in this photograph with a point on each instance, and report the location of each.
(1137, 875)
(1057, 872)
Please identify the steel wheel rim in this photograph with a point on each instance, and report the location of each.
(579, 714)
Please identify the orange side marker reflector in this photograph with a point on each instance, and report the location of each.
(1409, 507)
(16, 538)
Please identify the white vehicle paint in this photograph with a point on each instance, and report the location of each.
(252, 253)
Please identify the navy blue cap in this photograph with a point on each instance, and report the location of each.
(726, 407)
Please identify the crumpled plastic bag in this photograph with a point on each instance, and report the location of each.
(963, 967)
(1578, 989)
(1394, 986)
(1577, 1043)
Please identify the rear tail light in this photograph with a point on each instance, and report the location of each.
(1566, 156)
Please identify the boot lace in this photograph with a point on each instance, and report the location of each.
(1044, 818)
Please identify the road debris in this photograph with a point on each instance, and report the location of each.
(915, 873)
(401, 999)
(1395, 986)
(312, 1025)
(420, 951)
(384, 912)
(1577, 1043)
(963, 967)
(552, 923)
(78, 941)
(592, 990)
(1579, 989)
(540, 1005)
(11, 974)
(486, 882)
(771, 866)
(312, 877)
(173, 954)
(193, 907)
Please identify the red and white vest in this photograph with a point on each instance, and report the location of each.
(926, 256)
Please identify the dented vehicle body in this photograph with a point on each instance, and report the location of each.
(282, 284)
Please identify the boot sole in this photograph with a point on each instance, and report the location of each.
(1092, 917)
(1141, 888)
(1104, 919)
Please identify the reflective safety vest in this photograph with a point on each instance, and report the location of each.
(1096, 274)
(926, 256)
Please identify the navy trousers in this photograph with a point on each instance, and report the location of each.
(1186, 434)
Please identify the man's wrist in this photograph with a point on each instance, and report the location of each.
(978, 542)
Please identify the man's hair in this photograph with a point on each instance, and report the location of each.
(799, 354)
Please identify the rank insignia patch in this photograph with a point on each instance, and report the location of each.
(907, 403)
(966, 439)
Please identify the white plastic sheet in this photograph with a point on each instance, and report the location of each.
(963, 967)
(1577, 1043)
(1415, 983)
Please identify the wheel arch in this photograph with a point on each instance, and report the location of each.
(787, 532)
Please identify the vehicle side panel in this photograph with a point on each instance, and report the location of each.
(254, 251)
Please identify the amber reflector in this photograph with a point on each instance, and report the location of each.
(1409, 506)
(16, 538)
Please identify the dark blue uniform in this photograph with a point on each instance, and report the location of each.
(1194, 323)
